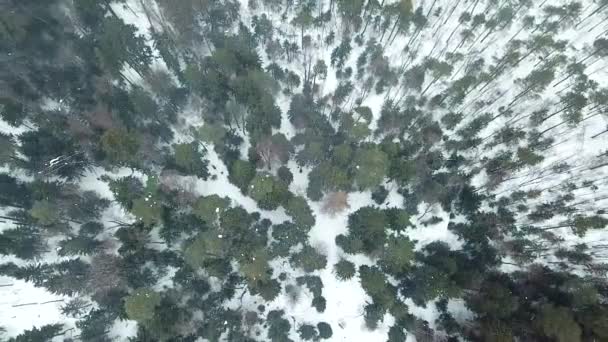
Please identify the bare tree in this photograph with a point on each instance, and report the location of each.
(274, 149)
(335, 202)
(100, 117)
(172, 181)
(106, 274)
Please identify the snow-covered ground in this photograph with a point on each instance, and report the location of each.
(345, 299)
(23, 306)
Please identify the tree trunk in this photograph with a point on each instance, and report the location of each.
(474, 6)
(555, 113)
(600, 133)
(590, 15)
(452, 12)
(601, 34)
(393, 29)
(109, 8)
(447, 42)
(429, 86)
(515, 35)
(487, 35)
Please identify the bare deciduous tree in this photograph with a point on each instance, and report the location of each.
(173, 181)
(106, 274)
(274, 149)
(101, 118)
(335, 202)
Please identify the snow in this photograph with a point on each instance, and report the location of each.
(122, 330)
(16, 317)
(433, 232)
(221, 186)
(132, 13)
(6, 128)
(345, 299)
(48, 307)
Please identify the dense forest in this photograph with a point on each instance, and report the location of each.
(303, 170)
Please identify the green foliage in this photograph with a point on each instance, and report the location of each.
(71, 100)
(367, 225)
(373, 314)
(95, 325)
(255, 266)
(584, 293)
(7, 149)
(285, 175)
(268, 290)
(50, 153)
(371, 166)
(13, 192)
(325, 331)
(45, 212)
(287, 235)
(495, 300)
(210, 208)
(126, 190)
(298, 209)
(255, 90)
(313, 283)
(44, 333)
(120, 146)
(344, 269)
(373, 281)
(241, 174)
(85, 206)
(396, 334)
(349, 243)
(319, 303)
(341, 155)
(262, 27)
(23, 242)
(397, 219)
(268, 191)
(212, 133)
(65, 278)
(78, 245)
(119, 44)
(301, 111)
(278, 326)
(341, 53)
(189, 160)
(307, 332)
(437, 276)
(235, 221)
(497, 331)
(594, 320)
(558, 323)
(11, 111)
(141, 304)
(147, 210)
(326, 178)
(528, 157)
(398, 253)
(309, 259)
(379, 194)
(312, 153)
(354, 128)
(583, 223)
(206, 247)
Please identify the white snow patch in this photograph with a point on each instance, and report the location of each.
(47, 310)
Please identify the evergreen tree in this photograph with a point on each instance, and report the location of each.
(44, 333)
